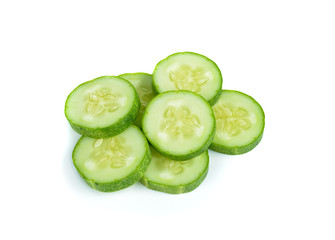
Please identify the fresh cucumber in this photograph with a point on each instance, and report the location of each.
(102, 107)
(114, 163)
(188, 71)
(143, 85)
(170, 176)
(179, 124)
(240, 122)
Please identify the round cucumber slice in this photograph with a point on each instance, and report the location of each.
(143, 85)
(170, 176)
(102, 107)
(179, 124)
(188, 71)
(240, 122)
(114, 163)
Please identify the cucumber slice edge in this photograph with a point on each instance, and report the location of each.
(237, 150)
(134, 73)
(177, 189)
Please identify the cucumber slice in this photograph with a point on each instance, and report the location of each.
(102, 107)
(188, 71)
(114, 163)
(143, 85)
(240, 122)
(179, 124)
(170, 176)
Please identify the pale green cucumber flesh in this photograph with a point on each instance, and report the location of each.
(171, 176)
(240, 122)
(102, 107)
(143, 85)
(113, 163)
(188, 71)
(179, 124)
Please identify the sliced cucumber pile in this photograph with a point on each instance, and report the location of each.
(170, 176)
(188, 71)
(157, 129)
(240, 123)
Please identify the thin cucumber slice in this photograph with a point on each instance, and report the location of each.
(240, 122)
(179, 124)
(188, 71)
(102, 107)
(143, 85)
(170, 176)
(114, 163)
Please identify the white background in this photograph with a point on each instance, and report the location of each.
(280, 52)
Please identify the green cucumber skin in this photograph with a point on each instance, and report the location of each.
(135, 73)
(214, 99)
(237, 150)
(126, 182)
(189, 155)
(176, 189)
(113, 130)
(211, 101)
